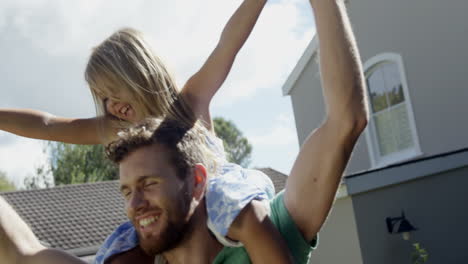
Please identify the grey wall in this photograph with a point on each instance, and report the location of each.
(435, 204)
(432, 38)
(308, 105)
(338, 239)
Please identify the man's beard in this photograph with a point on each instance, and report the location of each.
(177, 228)
(169, 238)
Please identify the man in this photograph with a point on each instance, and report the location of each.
(298, 212)
(163, 177)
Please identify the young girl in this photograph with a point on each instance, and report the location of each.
(129, 83)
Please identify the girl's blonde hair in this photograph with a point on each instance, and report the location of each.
(124, 62)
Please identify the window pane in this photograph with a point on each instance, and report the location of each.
(393, 130)
(384, 130)
(376, 86)
(403, 136)
(393, 85)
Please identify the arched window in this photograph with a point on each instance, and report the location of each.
(391, 134)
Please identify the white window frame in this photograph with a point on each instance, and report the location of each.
(371, 135)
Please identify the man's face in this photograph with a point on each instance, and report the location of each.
(157, 200)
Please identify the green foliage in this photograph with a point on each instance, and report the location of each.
(419, 254)
(5, 184)
(70, 164)
(238, 148)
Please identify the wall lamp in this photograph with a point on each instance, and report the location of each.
(400, 225)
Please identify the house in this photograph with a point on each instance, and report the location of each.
(413, 155)
(78, 218)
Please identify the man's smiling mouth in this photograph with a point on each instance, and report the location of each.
(147, 221)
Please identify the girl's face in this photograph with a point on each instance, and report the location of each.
(121, 110)
(119, 106)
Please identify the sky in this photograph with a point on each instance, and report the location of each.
(45, 44)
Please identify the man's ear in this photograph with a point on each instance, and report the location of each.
(200, 177)
(198, 183)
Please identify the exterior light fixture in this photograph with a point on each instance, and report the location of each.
(400, 225)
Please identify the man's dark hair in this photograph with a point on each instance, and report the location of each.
(186, 144)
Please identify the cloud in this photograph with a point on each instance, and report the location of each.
(46, 44)
(282, 133)
(20, 157)
(182, 32)
(276, 146)
(68, 27)
(269, 56)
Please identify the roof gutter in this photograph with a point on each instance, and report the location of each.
(85, 251)
(407, 171)
(308, 54)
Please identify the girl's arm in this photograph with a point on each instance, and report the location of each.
(202, 86)
(252, 227)
(42, 125)
(260, 237)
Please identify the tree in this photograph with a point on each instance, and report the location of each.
(238, 148)
(70, 164)
(5, 184)
(42, 179)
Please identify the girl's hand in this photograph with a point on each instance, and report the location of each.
(203, 85)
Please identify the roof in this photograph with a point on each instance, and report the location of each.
(72, 216)
(308, 54)
(78, 218)
(278, 178)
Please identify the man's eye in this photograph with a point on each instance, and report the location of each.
(126, 194)
(149, 184)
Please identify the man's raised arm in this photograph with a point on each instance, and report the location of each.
(18, 244)
(316, 174)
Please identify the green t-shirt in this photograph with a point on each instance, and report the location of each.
(280, 217)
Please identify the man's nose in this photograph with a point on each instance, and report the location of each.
(137, 201)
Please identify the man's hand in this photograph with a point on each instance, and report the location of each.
(316, 174)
